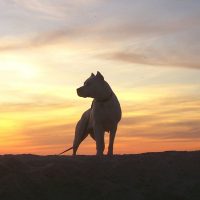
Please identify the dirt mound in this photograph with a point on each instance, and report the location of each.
(166, 175)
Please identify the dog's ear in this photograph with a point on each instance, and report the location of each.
(92, 75)
(99, 75)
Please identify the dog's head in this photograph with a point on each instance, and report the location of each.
(91, 86)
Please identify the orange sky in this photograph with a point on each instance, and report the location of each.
(147, 52)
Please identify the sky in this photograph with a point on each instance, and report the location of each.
(147, 50)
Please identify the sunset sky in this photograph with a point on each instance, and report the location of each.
(147, 50)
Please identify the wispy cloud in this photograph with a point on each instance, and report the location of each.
(179, 119)
(162, 120)
(168, 44)
(53, 9)
(166, 60)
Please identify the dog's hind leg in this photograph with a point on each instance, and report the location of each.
(91, 133)
(77, 141)
(81, 131)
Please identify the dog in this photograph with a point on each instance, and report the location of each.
(103, 116)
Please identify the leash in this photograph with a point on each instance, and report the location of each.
(65, 151)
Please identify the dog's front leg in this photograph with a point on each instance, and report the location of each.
(111, 139)
(99, 136)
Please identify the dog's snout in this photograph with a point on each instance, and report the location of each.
(78, 91)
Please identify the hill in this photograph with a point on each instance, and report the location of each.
(156, 176)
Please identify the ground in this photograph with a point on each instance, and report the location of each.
(151, 176)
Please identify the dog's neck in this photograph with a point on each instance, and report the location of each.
(105, 99)
(105, 95)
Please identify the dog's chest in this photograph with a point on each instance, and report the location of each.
(104, 113)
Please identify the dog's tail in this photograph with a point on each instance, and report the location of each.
(65, 150)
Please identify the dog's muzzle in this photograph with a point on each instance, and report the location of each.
(80, 92)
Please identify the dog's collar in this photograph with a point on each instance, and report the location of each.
(106, 99)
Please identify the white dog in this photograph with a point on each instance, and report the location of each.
(103, 116)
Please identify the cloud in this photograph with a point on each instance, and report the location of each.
(48, 134)
(153, 60)
(66, 35)
(161, 44)
(173, 119)
(34, 106)
(110, 31)
(150, 130)
(177, 118)
(52, 9)
(37, 125)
